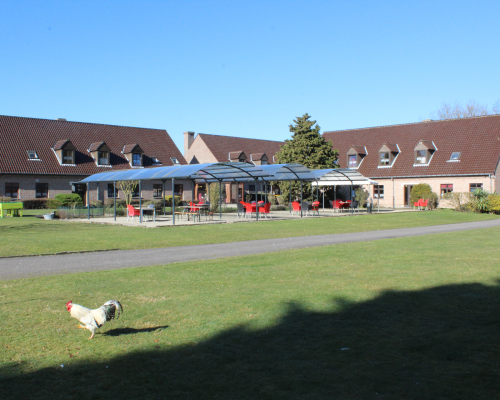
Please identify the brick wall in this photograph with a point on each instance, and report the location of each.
(199, 150)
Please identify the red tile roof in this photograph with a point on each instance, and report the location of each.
(477, 139)
(18, 135)
(221, 146)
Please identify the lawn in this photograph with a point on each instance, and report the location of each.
(409, 318)
(24, 236)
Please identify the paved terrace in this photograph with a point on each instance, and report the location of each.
(227, 218)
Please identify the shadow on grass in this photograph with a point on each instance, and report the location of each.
(130, 331)
(438, 343)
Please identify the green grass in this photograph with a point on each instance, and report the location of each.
(23, 236)
(420, 317)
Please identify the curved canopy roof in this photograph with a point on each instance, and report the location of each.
(235, 172)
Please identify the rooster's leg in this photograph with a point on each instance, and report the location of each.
(91, 336)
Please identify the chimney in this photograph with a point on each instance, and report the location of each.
(61, 119)
(188, 141)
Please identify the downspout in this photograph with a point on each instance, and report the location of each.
(88, 201)
(393, 195)
(173, 201)
(140, 201)
(114, 197)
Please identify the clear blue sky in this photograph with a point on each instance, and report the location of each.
(245, 68)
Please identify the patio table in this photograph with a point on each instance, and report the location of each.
(198, 207)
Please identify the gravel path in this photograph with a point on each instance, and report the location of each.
(19, 267)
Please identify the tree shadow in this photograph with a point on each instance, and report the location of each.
(437, 343)
(131, 331)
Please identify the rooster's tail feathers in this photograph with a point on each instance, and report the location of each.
(113, 309)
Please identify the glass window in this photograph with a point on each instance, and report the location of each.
(455, 156)
(158, 190)
(378, 191)
(110, 191)
(384, 158)
(135, 191)
(103, 157)
(178, 190)
(175, 160)
(32, 155)
(42, 190)
(475, 186)
(421, 157)
(264, 162)
(446, 188)
(68, 157)
(352, 161)
(136, 159)
(251, 188)
(12, 190)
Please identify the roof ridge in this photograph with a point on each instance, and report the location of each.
(87, 123)
(414, 123)
(237, 137)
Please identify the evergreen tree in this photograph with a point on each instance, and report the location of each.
(306, 147)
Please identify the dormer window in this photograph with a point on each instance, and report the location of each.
(237, 156)
(65, 152)
(355, 156)
(424, 152)
(32, 155)
(68, 156)
(388, 154)
(455, 156)
(259, 158)
(101, 154)
(134, 155)
(103, 157)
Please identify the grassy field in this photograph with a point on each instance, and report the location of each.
(22, 236)
(410, 318)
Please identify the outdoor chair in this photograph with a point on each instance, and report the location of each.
(305, 207)
(424, 203)
(335, 204)
(241, 209)
(295, 207)
(355, 205)
(249, 209)
(419, 204)
(315, 207)
(266, 210)
(132, 212)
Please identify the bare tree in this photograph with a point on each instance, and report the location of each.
(128, 188)
(471, 109)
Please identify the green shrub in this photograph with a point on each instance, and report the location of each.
(494, 200)
(69, 200)
(168, 200)
(360, 195)
(53, 203)
(480, 201)
(433, 201)
(35, 204)
(4, 199)
(420, 191)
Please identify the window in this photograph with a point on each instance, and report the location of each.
(421, 157)
(175, 160)
(135, 191)
(447, 188)
(378, 191)
(264, 162)
(158, 190)
(475, 186)
(352, 161)
(103, 157)
(12, 190)
(42, 190)
(384, 159)
(136, 160)
(155, 160)
(455, 156)
(251, 188)
(110, 191)
(32, 155)
(68, 156)
(178, 190)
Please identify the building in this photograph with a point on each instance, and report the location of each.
(457, 155)
(40, 158)
(204, 148)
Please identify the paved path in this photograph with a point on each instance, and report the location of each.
(12, 268)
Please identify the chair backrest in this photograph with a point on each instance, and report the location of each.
(248, 207)
(132, 211)
(424, 202)
(305, 206)
(355, 204)
(295, 206)
(241, 207)
(265, 209)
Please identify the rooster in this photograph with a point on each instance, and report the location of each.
(93, 319)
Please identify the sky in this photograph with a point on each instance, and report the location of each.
(246, 68)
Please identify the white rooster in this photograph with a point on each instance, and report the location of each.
(94, 319)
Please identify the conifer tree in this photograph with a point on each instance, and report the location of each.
(306, 147)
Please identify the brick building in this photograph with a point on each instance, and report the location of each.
(40, 158)
(458, 155)
(205, 148)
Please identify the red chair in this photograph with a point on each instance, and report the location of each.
(266, 210)
(250, 209)
(192, 209)
(424, 203)
(336, 204)
(315, 207)
(132, 212)
(295, 207)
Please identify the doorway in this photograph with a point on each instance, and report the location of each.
(407, 195)
(81, 190)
